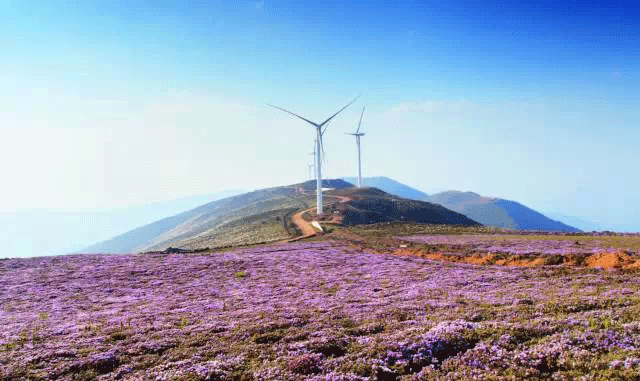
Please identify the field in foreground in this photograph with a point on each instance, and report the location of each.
(316, 310)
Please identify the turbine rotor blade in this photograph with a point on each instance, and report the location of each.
(324, 129)
(360, 122)
(339, 111)
(287, 111)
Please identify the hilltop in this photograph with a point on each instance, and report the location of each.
(372, 205)
(265, 215)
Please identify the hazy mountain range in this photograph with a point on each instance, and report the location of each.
(40, 232)
(488, 211)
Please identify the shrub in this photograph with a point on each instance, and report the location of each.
(305, 364)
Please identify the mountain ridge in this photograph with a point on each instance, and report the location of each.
(492, 211)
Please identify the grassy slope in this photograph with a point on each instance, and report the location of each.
(231, 220)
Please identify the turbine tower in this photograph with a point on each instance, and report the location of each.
(314, 158)
(358, 134)
(319, 149)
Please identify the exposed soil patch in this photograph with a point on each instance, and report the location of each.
(607, 260)
(526, 262)
(618, 259)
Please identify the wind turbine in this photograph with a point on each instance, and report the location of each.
(319, 149)
(358, 134)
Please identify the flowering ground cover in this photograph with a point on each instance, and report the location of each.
(315, 310)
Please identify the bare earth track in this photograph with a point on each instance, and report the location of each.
(306, 228)
(302, 225)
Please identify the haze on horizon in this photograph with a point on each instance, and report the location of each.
(105, 105)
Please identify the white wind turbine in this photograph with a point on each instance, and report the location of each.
(319, 149)
(358, 134)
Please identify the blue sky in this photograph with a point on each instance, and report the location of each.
(105, 104)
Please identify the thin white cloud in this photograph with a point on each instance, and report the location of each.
(433, 106)
(258, 4)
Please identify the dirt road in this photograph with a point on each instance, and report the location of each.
(306, 228)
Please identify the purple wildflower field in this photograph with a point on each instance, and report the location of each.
(312, 311)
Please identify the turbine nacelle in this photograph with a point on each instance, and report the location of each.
(318, 126)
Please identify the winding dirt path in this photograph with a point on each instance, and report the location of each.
(306, 228)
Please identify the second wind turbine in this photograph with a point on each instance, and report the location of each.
(358, 135)
(319, 149)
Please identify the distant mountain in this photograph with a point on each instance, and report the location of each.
(326, 183)
(41, 232)
(580, 223)
(391, 186)
(456, 197)
(498, 212)
(488, 211)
